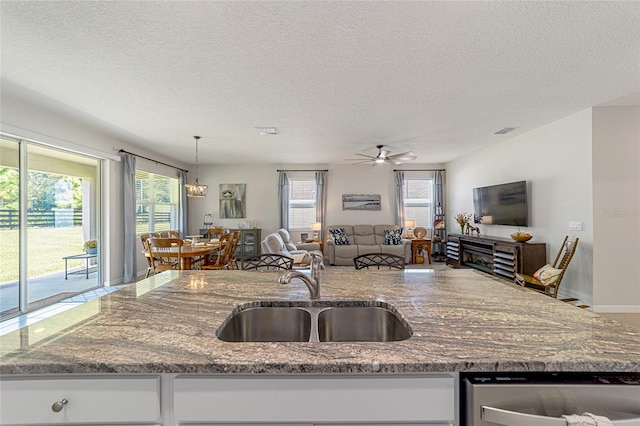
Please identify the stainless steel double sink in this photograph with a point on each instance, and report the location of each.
(340, 321)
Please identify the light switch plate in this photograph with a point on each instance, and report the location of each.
(576, 226)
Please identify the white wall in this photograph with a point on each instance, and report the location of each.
(47, 126)
(262, 193)
(555, 160)
(616, 208)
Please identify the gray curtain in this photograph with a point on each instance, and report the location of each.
(321, 200)
(129, 206)
(438, 207)
(438, 192)
(283, 197)
(400, 198)
(184, 206)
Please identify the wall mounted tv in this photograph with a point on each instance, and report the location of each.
(504, 204)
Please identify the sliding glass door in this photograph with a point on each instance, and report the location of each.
(9, 225)
(48, 223)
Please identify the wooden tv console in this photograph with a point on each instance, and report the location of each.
(501, 257)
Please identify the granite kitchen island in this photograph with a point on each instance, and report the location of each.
(164, 329)
(461, 320)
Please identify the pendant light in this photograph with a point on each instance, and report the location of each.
(196, 189)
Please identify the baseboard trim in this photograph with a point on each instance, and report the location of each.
(617, 309)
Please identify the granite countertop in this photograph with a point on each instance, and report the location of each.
(462, 320)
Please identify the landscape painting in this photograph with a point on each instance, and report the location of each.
(361, 202)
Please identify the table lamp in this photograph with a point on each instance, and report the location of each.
(409, 224)
(316, 227)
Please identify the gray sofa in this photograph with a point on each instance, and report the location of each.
(363, 239)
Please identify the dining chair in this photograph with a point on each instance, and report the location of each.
(546, 280)
(169, 234)
(216, 232)
(225, 254)
(389, 260)
(233, 264)
(267, 261)
(145, 248)
(163, 253)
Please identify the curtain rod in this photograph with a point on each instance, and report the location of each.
(155, 161)
(325, 170)
(420, 170)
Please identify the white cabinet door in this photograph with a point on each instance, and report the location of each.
(314, 399)
(80, 399)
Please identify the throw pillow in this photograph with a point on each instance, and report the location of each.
(339, 236)
(547, 274)
(393, 237)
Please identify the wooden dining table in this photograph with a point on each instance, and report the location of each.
(189, 252)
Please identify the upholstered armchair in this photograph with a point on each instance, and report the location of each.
(274, 244)
(286, 239)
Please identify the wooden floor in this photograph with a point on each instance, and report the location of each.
(632, 320)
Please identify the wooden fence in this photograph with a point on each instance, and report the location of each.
(10, 219)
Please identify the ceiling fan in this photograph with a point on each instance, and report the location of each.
(384, 157)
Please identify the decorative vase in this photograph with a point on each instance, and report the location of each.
(462, 229)
(92, 250)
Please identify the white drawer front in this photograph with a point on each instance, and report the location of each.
(28, 401)
(314, 399)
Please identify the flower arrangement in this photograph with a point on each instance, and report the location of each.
(90, 244)
(462, 219)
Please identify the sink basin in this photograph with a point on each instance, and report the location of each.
(268, 324)
(361, 324)
(338, 321)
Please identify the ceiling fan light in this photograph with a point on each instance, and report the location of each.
(379, 160)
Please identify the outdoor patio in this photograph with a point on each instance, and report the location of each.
(47, 288)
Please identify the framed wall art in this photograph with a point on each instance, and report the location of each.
(232, 200)
(361, 202)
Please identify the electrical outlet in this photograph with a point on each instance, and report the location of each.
(576, 226)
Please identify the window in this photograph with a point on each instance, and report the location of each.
(418, 201)
(302, 201)
(157, 199)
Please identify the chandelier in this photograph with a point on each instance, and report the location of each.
(196, 189)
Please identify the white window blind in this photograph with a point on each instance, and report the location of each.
(418, 201)
(157, 199)
(302, 204)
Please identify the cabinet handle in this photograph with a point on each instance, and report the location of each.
(59, 405)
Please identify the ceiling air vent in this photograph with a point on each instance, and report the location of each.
(504, 130)
(267, 131)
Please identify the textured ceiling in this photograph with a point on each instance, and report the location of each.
(335, 78)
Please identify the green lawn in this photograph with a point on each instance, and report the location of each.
(47, 246)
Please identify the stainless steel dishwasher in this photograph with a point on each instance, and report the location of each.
(540, 399)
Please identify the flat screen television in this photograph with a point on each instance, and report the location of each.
(504, 204)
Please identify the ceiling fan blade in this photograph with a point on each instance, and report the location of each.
(365, 155)
(357, 160)
(405, 156)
